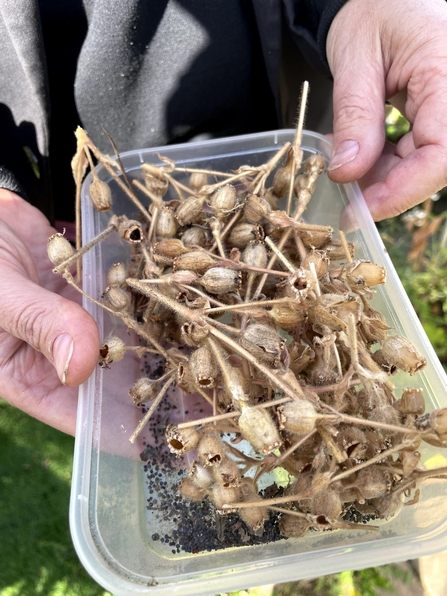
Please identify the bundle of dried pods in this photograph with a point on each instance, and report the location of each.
(278, 334)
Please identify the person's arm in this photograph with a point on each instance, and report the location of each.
(48, 343)
(376, 51)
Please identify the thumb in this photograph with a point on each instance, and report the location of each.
(58, 328)
(359, 113)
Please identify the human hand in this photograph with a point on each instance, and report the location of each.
(384, 50)
(48, 343)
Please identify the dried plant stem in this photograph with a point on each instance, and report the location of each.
(235, 414)
(268, 502)
(279, 255)
(152, 409)
(120, 183)
(78, 254)
(200, 171)
(369, 462)
(291, 512)
(226, 229)
(345, 246)
(248, 305)
(268, 168)
(294, 447)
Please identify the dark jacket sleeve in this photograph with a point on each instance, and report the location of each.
(309, 22)
(10, 182)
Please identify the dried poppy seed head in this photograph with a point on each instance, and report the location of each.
(409, 459)
(412, 402)
(211, 450)
(112, 350)
(100, 195)
(263, 342)
(194, 260)
(388, 506)
(293, 526)
(256, 516)
(190, 210)
(281, 180)
(219, 280)
(373, 482)
(256, 208)
(319, 260)
(255, 254)
(243, 233)
(155, 179)
(198, 180)
(203, 367)
(259, 429)
(170, 248)
(191, 491)
(398, 350)
(223, 200)
(166, 226)
(143, 390)
(326, 506)
(194, 333)
(129, 229)
(221, 495)
(116, 298)
(117, 274)
(315, 164)
(181, 440)
(438, 422)
(194, 236)
(59, 249)
(297, 416)
(227, 473)
(365, 273)
(200, 475)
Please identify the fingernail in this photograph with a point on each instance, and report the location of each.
(62, 353)
(345, 152)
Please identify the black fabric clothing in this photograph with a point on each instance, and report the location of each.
(150, 73)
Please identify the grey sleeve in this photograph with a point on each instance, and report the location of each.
(10, 182)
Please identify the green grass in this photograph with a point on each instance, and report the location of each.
(36, 552)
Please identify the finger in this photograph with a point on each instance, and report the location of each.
(359, 112)
(423, 171)
(387, 160)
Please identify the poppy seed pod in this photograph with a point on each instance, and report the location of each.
(243, 233)
(258, 428)
(255, 254)
(365, 273)
(297, 416)
(227, 473)
(211, 450)
(181, 440)
(203, 367)
(373, 482)
(116, 298)
(293, 526)
(194, 236)
(195, 260)
(223, 200)
(59, 249)
(219, 280)
(224, 495)
(100, 195)
(200, 475)
(117, 275)
(190, 210)
(112, 350)
(263, 342)
(412, 402)
(130, 230)
(166, 226)
(256, 208)
(255, 516)
(388, 506)
(398, 350)
(198, 180)
(194, 333)
(281, 180)
(144, 390)
(438, 422)
(191, 491)
(326, 506)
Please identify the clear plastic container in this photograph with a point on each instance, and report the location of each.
(113, 531)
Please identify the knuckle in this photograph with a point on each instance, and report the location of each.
(348, 110)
